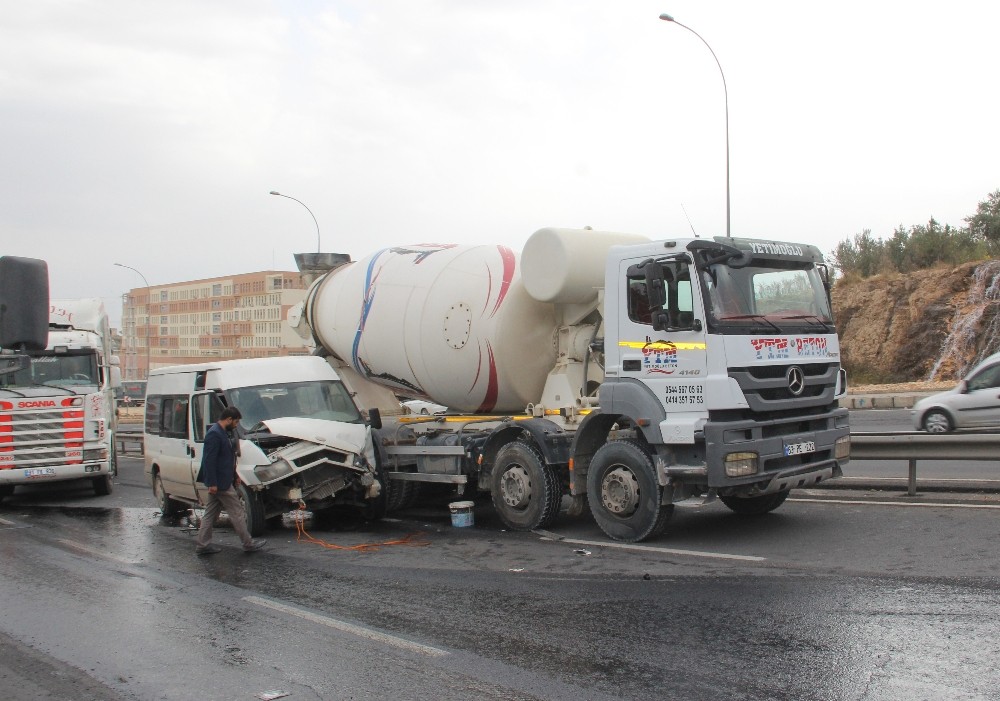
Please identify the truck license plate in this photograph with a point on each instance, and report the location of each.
(800, 448)
(40, 472)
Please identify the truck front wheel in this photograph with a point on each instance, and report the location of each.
(624, 494)
(526, 491)
(755, 506)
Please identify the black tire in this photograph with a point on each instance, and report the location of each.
(402, 494)
(253, 509)
(168, 506)
(755, 506)
(103, 486)
(937, 421)
(6, 490)
(526, 492)
(624, 494)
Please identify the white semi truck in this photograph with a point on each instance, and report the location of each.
(627, 373)
(57, 414)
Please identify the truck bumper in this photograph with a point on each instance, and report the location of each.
(35, 474)
(751, 458)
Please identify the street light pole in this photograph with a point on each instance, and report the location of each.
(149, 303)
(275, 192)
(669, 18)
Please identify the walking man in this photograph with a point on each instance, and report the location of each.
(218, 473)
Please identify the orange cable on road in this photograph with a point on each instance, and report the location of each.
(412, 539)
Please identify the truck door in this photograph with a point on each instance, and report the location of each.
(206, 407)
(671, 362)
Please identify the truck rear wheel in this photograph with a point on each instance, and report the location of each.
(755, 506)
(526, 492)
(624, 494)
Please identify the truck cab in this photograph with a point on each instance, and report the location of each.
(723, 362)
(60, 408)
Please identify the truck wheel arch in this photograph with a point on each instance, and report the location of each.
(539, 432)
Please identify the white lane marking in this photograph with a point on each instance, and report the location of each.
(928, 479)
(347, 627)
(5, 522)
(668, 551)
(96, 553)
(940, 505)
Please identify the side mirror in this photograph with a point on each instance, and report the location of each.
(24, 303)
(375, 418)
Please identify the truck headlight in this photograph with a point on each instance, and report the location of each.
(276, 470)
(741, 464)
(842, 448)
(93, 454)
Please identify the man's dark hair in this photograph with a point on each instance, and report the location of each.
(230, 412)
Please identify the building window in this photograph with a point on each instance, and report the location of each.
(216, 290)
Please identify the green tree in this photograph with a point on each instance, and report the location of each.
(985, 223)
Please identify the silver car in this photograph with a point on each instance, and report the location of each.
(973, 403)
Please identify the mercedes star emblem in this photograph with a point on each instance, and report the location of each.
(796, 380)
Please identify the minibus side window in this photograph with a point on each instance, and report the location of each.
(205, 411)
(174, 417)
(153, 414)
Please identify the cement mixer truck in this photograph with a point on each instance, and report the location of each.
(625, 373)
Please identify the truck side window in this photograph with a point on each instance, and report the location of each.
(638, 302)
(679, 304)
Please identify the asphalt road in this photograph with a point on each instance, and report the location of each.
(834, 596)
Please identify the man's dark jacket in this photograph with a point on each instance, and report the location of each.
(218, 460)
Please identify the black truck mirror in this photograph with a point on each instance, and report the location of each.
(24, 303)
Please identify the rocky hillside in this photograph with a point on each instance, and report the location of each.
(927, 325)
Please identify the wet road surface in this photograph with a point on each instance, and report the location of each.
(841, 599)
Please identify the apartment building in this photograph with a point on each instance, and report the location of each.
(237, 316)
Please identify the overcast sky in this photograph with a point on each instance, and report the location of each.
(150, 133)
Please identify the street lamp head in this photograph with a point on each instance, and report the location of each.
(667, 18)
(275, 192)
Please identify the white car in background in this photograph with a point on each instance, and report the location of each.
(419, 406)
(973, 403)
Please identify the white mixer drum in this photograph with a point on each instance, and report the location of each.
(449, 322)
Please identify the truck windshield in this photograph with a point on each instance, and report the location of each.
(763, 297)
(327, 400)
(55, 370)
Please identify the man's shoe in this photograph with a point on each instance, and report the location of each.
(254, 545)
(208, 550)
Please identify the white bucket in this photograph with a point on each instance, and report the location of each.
(461, 514)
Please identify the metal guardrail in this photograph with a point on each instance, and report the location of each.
(124, 439)
(911, 446)
(924, 446)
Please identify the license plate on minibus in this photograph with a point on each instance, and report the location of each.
(40, 472)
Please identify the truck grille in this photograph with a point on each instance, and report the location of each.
(766, 387)
(40, 437)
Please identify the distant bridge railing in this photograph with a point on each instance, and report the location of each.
(924, 446)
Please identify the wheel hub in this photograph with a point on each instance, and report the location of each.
(515, 487)
(620, 492)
